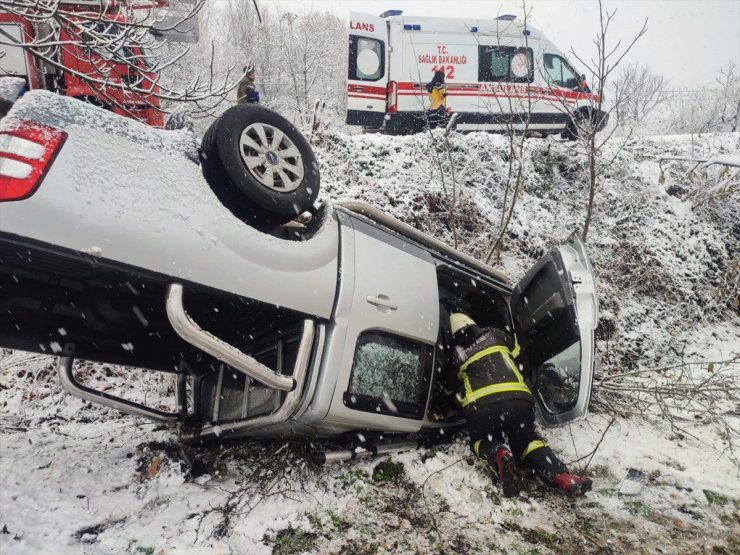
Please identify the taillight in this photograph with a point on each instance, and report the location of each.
(27, 150)
(392, 97)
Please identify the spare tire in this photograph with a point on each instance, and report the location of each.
(259, 165)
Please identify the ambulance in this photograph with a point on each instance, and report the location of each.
(496, 70)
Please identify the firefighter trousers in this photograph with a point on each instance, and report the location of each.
(511, 423)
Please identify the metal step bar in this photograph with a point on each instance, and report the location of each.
(220, 350)
(288, 407)
(70, 384)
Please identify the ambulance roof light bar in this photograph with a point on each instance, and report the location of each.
(391, 13)
(507, 17)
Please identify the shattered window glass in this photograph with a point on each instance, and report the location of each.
(560, 379)
(387, 368)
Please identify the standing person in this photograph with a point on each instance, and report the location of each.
(247, 92)
(437, 90)
(498, 405)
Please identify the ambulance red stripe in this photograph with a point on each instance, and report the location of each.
(365, 96)
(540, 91)
(366, 89)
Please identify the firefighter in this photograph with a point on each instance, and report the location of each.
(437, 90)
(247, 92)
(498, 405)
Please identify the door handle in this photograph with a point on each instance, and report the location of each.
(382, 301)
(359, 88)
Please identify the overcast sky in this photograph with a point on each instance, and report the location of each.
(687, 40)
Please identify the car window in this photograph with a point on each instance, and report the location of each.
(505, 63)
(387, 375)
(366, 59)
(558, 72)
(559, 380)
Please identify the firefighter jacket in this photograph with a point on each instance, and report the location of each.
(487, 371)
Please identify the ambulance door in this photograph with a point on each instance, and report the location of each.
(367, 70)
(555, 312)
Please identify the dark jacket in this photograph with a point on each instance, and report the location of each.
(247, 93)
(487, 370)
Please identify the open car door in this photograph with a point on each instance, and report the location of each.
(555, 312)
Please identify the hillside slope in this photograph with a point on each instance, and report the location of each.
(79, 478)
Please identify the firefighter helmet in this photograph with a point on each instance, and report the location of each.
(459, 320)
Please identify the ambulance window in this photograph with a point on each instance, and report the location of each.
(505, 63)
(558, 72)
(388, 376)
(366, 58)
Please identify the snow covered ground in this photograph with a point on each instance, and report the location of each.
(76, 478)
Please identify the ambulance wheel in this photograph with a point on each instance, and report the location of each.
(259, 165)
(570, 133)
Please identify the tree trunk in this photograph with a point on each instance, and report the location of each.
(592, 184)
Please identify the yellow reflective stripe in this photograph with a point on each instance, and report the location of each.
(513, 366)
(495, 388)
(476, 448)
(517, 349)
(484, 353)
(534, 444)
(466, 382)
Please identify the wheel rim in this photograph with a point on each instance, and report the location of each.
(271, 157)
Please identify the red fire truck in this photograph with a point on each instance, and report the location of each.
(61, 62)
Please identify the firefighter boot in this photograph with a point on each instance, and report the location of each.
(507, 472)
(572, 486)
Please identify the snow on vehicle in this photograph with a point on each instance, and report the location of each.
(115, 248)
(78, 72)
(497, 71)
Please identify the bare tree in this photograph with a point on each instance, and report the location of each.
(710, 109)
(640, 91)
(517, 101)
(729, 97)
(587, 121)
(300, 58)
(114, 50)
(509, 105)
(311, 54)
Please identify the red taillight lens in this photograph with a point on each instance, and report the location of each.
(27, 150)
(392, 97)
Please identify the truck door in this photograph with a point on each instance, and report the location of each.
(555, 312)
(367, 70)
(390, 316)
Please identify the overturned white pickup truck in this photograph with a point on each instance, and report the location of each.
(114, 247)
